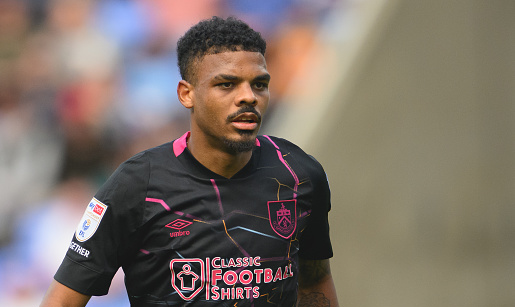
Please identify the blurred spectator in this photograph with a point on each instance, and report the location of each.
(266, 16)
(81, 50)
(14, 25)
(148, 107)
(42, 237)
(173, 18)
(288, 54)
(87, 62)
(122, 21)
(29, 157)
(29, 150)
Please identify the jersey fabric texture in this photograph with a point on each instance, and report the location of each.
(184, 234)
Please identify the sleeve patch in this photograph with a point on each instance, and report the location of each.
(90, 220)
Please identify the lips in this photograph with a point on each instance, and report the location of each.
(246, 121)
(247, 117)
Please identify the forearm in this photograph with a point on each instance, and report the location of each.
(316, 286)
(59, 295)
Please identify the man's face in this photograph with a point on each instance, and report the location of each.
(229, 97)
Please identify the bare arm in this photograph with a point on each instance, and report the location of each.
(58, 295)
(316, 287)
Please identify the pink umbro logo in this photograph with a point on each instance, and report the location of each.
(179, 224)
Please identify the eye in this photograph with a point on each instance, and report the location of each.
(261, 85)
(225, 85)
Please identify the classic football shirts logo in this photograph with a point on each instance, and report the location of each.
(224, 279)
(90, 220)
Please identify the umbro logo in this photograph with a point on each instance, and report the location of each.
(179, 224)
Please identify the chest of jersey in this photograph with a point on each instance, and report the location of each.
(224, 239)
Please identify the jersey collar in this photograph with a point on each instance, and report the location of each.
(181, 151)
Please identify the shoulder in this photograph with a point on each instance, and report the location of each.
(137, 170)
(153, 156)
(280, 144)
(290, 149)
(127, 187)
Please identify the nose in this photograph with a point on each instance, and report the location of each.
(246, 95)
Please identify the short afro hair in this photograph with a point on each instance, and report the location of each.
(213, 36)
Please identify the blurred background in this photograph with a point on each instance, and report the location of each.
(409, 105)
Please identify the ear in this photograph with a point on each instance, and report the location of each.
(185, 93)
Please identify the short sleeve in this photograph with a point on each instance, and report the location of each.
(315, 242)
(107, 233)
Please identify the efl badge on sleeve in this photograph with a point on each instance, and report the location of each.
(283, 217)
(90, 220)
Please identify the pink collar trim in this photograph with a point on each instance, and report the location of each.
(180, 144)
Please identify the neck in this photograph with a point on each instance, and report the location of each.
(218, 161)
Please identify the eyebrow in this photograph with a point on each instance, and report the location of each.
(263, 77)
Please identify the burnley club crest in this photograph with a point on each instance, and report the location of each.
(283, 217)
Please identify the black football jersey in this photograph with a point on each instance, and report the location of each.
(185, 235)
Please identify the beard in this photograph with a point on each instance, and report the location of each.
(248, 143)
(240, 146)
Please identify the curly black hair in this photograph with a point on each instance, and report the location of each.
(213, 36)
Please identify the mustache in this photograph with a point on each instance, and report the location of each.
(245, 109)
